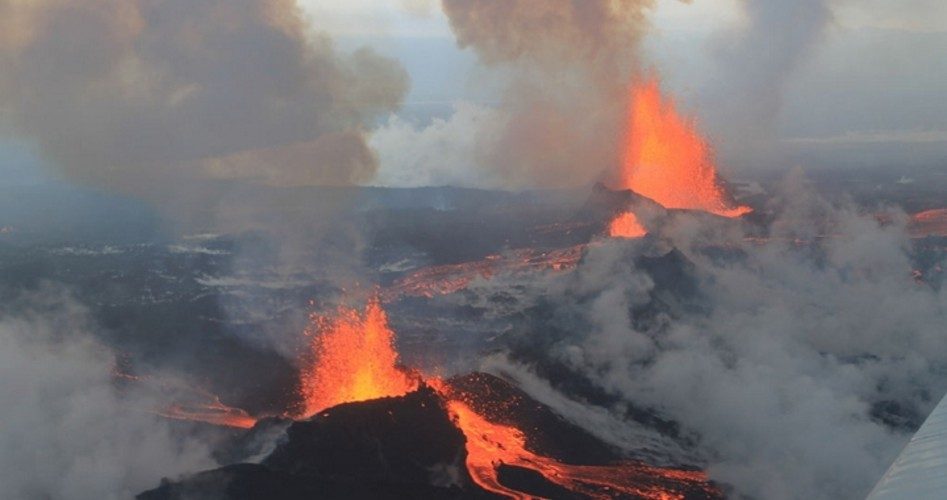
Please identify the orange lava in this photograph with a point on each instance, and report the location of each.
(490, 445)
(626, 225)
(667, 160)
(193, 403)
(929, 223)
(450, 278)
(213, 412)
(353, 358)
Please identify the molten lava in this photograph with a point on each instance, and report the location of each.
(352, 358)
(626, 225)
(450, 278)
(211, 412)
(929, 223)
(194, 404)
(667, 160)
(491, 445)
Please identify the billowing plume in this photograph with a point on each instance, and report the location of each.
(148, 97)
(599, 34)
(754, 65)
(568, 62)
(798, 363)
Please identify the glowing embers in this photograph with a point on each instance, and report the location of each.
(667, 160)
(352, 358)
(626, 225)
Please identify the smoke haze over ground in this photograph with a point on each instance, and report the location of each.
(70, 432)
(791, 352)
(799, 365)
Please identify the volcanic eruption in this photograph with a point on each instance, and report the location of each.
(666, 159)
(352, 358)
(355, 360)
(353, 380)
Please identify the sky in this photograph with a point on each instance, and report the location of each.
(869, 93)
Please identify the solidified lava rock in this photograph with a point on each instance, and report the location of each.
(402, 440)
(404, 447)
(549, 434)
(408, 447)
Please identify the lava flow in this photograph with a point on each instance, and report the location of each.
(929, 223)
(491, 445)
(352, 358)
(211, 412)
(194, 404)
(667, 160)
(450, 278)
(626, 225)
(356, 361)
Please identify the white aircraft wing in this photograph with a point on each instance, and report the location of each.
(920, 471)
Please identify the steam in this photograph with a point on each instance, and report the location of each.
(599, 34)
(567, 66)
(151, 98)
(798, 370)
(443, 153)
(754, 65)
(68, 432)
(569, 63)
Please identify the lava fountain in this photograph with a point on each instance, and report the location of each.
(666, 159)
(352, 358)
(626, 225)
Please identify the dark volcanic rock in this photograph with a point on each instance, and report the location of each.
(406, 440)
(604, 203)
(533, 483)
(405, 447)
(256, 482)
(549, 434)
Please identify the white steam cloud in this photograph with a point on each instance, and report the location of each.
(442, 153)
(798, 367)
(66, 431)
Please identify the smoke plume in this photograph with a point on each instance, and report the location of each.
(569, 63)
(797, 364)
(68, 431)
(754, 64)
(153, 97)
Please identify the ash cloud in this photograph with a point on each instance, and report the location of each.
(568, 64)
(69, 432)
(225, 115)
(798, 366)
(599, 34)
(155, 98)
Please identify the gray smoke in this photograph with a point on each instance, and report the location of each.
(152, 98)
(224, 114)
(68, 432)
(569, 64)
(798, 364)
(753, 66)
